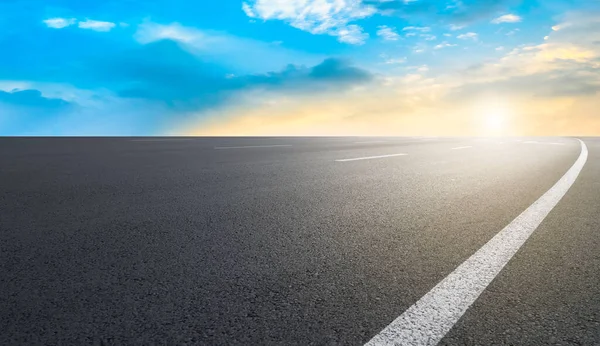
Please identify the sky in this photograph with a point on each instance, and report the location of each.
(299, 67)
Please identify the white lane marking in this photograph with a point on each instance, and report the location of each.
(369, 142)
(162, 140)
(429, 319)
(370, 157)
(550, 143)
(255, 146)
(465, 147)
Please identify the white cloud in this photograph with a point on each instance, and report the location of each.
(561, 26)
(499, 48)
(59, 23)
(352, 34)
(387, 33)
(394, 61)
(421, 69)
(507, 18)
(248, 10)
(151, 32)
(455, 27)
(96, 25)
(444, 45)
(467, 36)
(417, 28)
(315, 16)
(428, 37)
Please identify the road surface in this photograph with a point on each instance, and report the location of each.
(296, 241)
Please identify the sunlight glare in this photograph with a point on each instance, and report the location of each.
(495, 121)
(493, 118)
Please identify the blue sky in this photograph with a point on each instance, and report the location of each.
(133, 67)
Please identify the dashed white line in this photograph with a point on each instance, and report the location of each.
(370, 157)
(429, 319)
(465, 147)
(550, 143)
(255, 146)
(162, 140)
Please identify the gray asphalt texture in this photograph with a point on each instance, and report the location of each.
(171, 241)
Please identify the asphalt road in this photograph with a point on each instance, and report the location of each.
(288, 241)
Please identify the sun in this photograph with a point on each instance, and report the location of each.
(495, 121)
(494, 118)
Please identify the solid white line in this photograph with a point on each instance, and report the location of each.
(370, 157)
(255, 146)
(465, 147)
(429, 319)
(369, 142)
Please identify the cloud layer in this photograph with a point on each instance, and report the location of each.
(546, 89)
(185, 81)
(453, 12)
(315, 16)
(301, 66)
